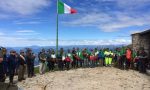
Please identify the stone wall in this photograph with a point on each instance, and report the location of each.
(141, 40)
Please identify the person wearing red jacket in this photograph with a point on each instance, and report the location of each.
(128, 58)
(68, 60)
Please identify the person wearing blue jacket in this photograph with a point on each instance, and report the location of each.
(11, 65)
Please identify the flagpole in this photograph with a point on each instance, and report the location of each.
(57, 31)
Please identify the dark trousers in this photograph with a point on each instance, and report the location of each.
(74, 62)
(128, 63)
(30, 68)
(122, 62)
(2, 74)
(81, 62)
(60, 65)
(11, 75)
(67, 65)
(51, 65)
(141, 66)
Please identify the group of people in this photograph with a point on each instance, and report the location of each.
(16, 64)
(123, 58)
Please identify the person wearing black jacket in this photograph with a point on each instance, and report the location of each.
(22, 66)
(11, 65)
(30, 63)
(74, 63)
(142, 60)
(2, 74)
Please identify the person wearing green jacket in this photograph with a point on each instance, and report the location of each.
(80, 55)
(122, 61)
(101, 57)
(85, 54)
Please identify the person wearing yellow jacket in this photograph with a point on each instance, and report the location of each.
(106, 53)
(110, 58)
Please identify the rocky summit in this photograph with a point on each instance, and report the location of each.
(100, 78)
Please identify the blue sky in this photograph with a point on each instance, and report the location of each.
(98, 22)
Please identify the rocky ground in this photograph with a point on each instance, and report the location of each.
(100, 78)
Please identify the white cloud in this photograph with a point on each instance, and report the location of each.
(124, 14)
(26, 32)
(16, 41)
(23, 7)
(111, 21)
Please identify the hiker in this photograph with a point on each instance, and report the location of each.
(122, 60)
(74, 62)
(116, 57)
(48, 59)
(96, 52)
(42, 58)
(106, 53)
(128, 58)
(67, 60)
(92, 59)
(142, 60)
(101, 57)
(30, 57)
(53, 59)
(22, 66)
(110, 58)
(60, 59)
(2, 73)
(70, 60)
(5, 64)
(80, 57)
(135, 59)
(11, 66)
(85, 57)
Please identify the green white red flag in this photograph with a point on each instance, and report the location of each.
(65, 9)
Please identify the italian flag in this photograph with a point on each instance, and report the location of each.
(64, 8)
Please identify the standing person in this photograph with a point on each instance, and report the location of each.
(11, 66)
(5, 64)
(92, 59)
(116, 55)
(60, 59)
(142, 60)
(128, 58)
(74, 63)
(68, 60)
(106, 53)
(96, 52)
(79, 61)
(53, 60)
(22, 66)
(2, 74)
(101, 57)
(69, 54)
(48, 59)
(42, 57)
(110, 58)
(85, 57)
(122, 61)
(30, 63)
(81, 58)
